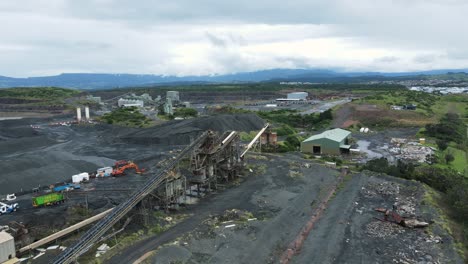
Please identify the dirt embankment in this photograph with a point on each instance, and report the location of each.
(351, 232)
(181, 132)
(377, 116)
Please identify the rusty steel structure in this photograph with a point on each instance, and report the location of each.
(213, 159)
(216, 160)
(393, 217)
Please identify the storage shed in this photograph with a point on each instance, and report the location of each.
(7, 247)
(330, 142)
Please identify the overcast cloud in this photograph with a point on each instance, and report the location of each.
(186, 37)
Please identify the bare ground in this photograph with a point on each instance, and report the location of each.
(348, 232)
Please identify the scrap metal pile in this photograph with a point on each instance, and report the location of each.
(393, 217)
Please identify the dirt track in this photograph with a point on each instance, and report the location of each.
(282, 201)
(347, 233)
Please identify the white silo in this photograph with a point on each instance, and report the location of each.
(78, 114)
(87, 113)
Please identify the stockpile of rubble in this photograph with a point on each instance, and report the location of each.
(396, 221)
(410, 151)
(383, 229)
(386, 188)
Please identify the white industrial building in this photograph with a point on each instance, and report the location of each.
(173, 95)
(298, 96)
(130, 102)
(7, 247)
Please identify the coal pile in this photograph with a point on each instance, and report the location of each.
(182, 132)
(15, 129)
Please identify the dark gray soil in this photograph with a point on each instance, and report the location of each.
(181, 132)
(280, 202)
(39, 157)
(348, 232)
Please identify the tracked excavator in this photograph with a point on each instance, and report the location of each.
(120, 170)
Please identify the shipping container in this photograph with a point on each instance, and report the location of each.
(77, 178)
(84, 176)
(48, 199)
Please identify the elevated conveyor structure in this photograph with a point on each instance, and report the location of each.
(254, 140)
(100, 228)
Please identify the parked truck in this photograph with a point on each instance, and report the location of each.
(8, 208)
(48, 199)
(66, 187)
(104, 172)
(9, 197)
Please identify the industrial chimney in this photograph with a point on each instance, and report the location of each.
(87, 113)
(78, 114)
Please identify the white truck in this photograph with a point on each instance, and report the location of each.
(8, 208)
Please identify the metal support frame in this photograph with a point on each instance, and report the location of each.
(99, 229)
(215, 161)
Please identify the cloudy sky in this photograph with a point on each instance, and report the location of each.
(188, 37)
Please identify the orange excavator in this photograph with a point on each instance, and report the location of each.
(120, 170)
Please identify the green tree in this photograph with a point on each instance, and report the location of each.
(285, 130)
(293, 141)
(449, 158)
(326, 115)
(185, 112)
(442, 144)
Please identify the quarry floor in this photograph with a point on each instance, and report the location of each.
(280, 192)
(347, 232)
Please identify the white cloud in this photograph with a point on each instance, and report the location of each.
(185, 37)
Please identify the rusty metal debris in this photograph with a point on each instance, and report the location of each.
(393, 217)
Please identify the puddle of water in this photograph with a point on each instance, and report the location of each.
(364, 147)
(381, 151)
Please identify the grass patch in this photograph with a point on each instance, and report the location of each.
(256, 169)
(457, 229)
(459, 163)
(244, 136)
(130, 117)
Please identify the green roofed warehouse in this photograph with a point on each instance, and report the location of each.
(330, 142)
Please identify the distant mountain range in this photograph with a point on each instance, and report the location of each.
(107, 81)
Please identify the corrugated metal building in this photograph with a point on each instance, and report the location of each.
(7, 247)
(298, 96)
(330, 142)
